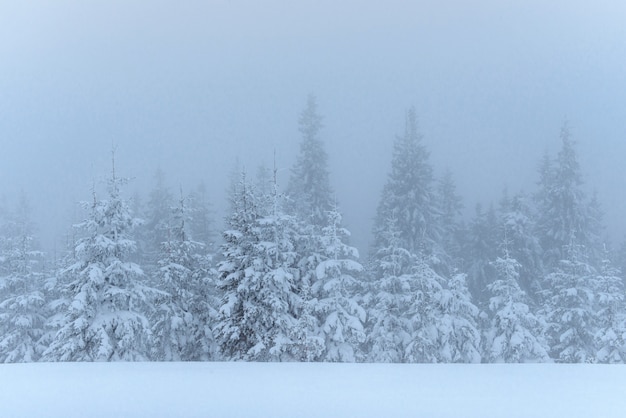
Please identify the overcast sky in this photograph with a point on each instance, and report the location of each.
(191, 86)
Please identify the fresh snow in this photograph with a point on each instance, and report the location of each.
(294, 390)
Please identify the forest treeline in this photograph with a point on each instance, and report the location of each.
(530, 279)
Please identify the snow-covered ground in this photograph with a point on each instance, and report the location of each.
(310, 390)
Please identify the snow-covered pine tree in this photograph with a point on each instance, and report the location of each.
(515, 335)
(108, 300)
(340, 314)
(258, 276)
(479, 248)
(563, 211)
(610, 314)
(22, 302)
(459, 337)
(388, 314)
(185, 311)
(449, 209)
(408, 195)
(517, 219)
(309, 188)
(154, 229)
(201, 221)
(569, 309)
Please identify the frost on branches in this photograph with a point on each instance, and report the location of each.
(22, 303)
(185, 308)
(341, 316)
(258, 276)
(569, 309)
(611, 319)
(106, 315)
(515, 334)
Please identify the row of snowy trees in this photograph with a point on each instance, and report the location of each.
(528, 281)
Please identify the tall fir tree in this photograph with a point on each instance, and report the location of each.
(408, 194)
(563, 210)
(309, 190)
(107, 298)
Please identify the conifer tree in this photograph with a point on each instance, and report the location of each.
(459, 338)
(610, 314)
(561, 203)
(185, 310)
(107, 299)
(515, 335)
(258, 277)
(309, 187)
(388, 315)
(341, 316)
(408, 194)
(22, 302)
(569, 309)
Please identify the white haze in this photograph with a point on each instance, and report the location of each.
(193, 86)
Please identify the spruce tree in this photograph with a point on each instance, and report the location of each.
(22, 300)
(258, 278)
(107, 298)
(515, 335)
(388, 315)
(569, 309)
(610, 313)
(185, 310)
(408, 194)
(341, 316)
(562, 206)
(309, 190)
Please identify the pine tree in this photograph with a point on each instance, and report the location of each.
(459, 338)
(408, 194)
(480, 248)
(561, 203)
(449, 209)
(341, 316)
(155, 226)
(108, 300)
(388, 315)
(569, 309)
(610, 314)
(184, 312)
(309, 187)
(523, 245)
(515, 334)
(258, 276)
(22, 302)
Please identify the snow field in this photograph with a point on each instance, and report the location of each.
(67, 390)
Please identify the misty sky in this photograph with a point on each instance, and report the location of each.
(192, 86)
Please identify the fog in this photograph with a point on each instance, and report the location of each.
(194, 87)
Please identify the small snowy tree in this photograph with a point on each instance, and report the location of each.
(341, 316)
(515, 334)
(392, 298)
(184, 311)
(22, 303)
(459, 338)
(108, 301)
(610, 314)
(569, 309)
